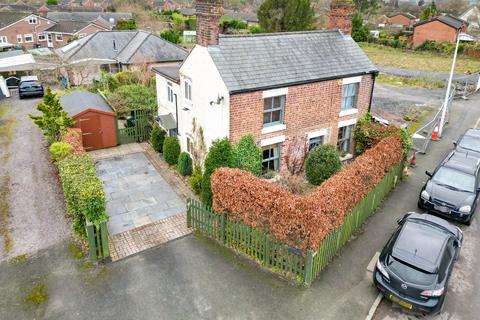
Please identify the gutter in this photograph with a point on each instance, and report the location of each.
(296, 83)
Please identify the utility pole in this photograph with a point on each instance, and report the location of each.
(449, 86)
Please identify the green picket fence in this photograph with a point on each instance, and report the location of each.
(97, 241)
(281, 257)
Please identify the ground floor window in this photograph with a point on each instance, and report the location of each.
(28, 38)
(345, 139)
(3, 39)
(42, 37)
(314, 142)
(271, 158)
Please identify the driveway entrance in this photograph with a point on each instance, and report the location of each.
(137, 194)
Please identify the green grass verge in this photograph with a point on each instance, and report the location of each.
(396, 81)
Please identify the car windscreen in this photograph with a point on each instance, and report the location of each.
(470, 143)
(454, 178)
(30, 84)
(409, 273)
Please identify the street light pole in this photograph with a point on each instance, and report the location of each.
(447, 94)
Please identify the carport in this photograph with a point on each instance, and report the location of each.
(93, 116)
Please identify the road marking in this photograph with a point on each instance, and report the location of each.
(374, 307)
(476, 123)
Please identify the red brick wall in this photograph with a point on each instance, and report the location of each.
(308, 108)
(340, 17)
(400, 20)
(208, 21)
(433, 31)
(91, 29)
(23, 27)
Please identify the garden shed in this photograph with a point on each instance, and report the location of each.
(93, 116)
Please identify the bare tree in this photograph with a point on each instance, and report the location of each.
(296, 154)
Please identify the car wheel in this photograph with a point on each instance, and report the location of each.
(420, 206)
(469, 221)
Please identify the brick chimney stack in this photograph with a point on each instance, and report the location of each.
(341, 15)
(209, 13)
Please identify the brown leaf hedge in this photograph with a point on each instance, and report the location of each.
(302, 221)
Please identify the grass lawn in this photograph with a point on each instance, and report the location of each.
(410, 82)
(424, 61)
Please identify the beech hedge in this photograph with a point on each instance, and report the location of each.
(303, 222)
(83, 191)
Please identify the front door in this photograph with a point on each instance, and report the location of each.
(91, 132)
(49, 40)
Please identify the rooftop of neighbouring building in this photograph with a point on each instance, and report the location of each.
(447, 19)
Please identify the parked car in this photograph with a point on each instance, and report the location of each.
(29, 86)
(415, 265)
(469, 143)
(452, 189)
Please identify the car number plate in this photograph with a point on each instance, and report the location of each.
(441, 209)
(400, 302)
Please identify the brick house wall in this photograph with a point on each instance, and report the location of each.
(90, 29)
(401, 20)
(308, 108)
(22, 27)
(434, 31)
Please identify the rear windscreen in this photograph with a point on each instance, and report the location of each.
(409, 273)
(30, 84)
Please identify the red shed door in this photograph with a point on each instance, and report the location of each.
(91, 132)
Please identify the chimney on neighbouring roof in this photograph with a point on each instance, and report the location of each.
(208, 21)
(341, 15)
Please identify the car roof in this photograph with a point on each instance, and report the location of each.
(462, 162)
(421, 244)
(473, 132)
(28, 78)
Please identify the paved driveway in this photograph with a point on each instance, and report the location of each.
(136, 193)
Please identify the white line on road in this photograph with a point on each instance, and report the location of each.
(374, 307)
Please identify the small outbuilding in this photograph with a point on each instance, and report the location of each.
(93, 116)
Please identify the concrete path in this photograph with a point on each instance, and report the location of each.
(136, 193)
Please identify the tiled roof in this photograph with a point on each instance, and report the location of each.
(68, 26)
(170, 71)
(446, 19)
(263, 61)
(7, 18)
(87, 16)
(78, 101)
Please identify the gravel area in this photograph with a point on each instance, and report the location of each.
(37, 215)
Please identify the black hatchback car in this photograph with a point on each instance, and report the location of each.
(415, 265)
(469, 143)
(30, 87)
(452, 189)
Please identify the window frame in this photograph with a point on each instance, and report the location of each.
(57, 38)
(273, 109)
(275, 159)
(310, 148)
(19, 38)
(343, 106)
(170, 93)
(32, 20)
(3, 39)
(28, 35)
(187, 90)
(348, 141)
(43, 35)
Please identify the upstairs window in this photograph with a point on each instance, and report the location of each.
(187, 90)
(273, 110)
(32, 20)
(349, 96)
(169, 92)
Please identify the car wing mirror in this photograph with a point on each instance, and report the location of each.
(428, 173)
(454, 143)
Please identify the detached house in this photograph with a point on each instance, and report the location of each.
(24, 29)
(278, 86)
(443, 28)
(404, 20)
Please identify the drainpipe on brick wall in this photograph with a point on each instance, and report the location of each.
(374, 75)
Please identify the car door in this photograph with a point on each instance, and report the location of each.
(449, 257)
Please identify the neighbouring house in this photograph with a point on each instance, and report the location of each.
(248, 18)
(114, 51)
(443, 28)
(105, 19)
(404, 20)
(24, 29)
(64, 31)
(93, 116)
(472, 16)
(313, 85)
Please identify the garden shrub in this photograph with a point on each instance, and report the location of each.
(246, 155)
(303, 221)
(133, 97)
(322, 163)
(60, 150)
(185, 164)
(368, 133)
(74, 138)
(157, 137)
(171, 150)
(219, 155)
(83, 191)
(170, 36)
(196, 180)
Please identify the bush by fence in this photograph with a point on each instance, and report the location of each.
(302, 222)
(74, 138)
(83, 192)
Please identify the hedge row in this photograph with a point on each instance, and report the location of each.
(83, 191)
(74, 138)
(302, 222)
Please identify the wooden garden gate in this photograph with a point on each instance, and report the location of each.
(143, 120)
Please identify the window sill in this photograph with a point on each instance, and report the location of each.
(347, 157)
(275, 128)
(348, 112)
